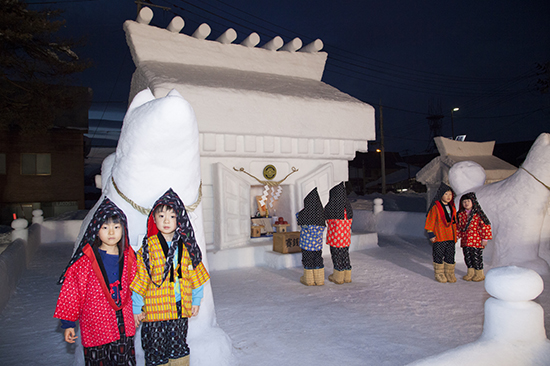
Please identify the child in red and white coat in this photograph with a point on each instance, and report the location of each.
(96, 290)
(474, 230)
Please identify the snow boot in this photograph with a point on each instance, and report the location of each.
(347, 276)
(439, 270)
(337, 277)
(469, 275)
(307, 278)
(479, 276)
(319, 276)
(450, 272)
(182, 361)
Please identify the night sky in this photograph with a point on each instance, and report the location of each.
(416, 58)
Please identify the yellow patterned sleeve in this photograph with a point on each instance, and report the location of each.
(141, 281)
(199, 276)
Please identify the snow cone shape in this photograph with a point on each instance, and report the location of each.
(513, 331)
(516, 206)
(158, 149)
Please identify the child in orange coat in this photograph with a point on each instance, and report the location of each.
(474, 230)
(441, 228)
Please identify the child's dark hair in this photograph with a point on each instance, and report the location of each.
(115, 219)
(161, 208)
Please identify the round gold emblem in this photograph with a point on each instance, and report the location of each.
(270, 172)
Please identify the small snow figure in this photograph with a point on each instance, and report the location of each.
(441, 228)
(474, 229)
(96, 290)
(339, 215)
(312, 222)
(168, 287)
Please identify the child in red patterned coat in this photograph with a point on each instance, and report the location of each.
(339, 216)
(96, 290)
(474, 230)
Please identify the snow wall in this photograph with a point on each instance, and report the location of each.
(14, 260)
(398, 223)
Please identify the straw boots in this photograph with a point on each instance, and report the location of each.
(319, 276)
(469, 275)
(337, 277)
(307, 278)
(478, 276)
(439, 270)
(183, 361)
(347, 276)
(450, 272)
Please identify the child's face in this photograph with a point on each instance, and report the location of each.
(166, 222)
(447, 197)
(110, 234)
(467, 204)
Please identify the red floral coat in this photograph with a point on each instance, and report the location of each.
(477, 231)
(339, 232)
(85, 297)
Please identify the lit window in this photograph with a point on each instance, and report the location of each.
(36, 164)
(2, 163)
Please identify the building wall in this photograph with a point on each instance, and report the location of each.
(66, 182)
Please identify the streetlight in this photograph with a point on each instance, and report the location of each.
(452, 122)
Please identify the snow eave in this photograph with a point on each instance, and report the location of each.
(235, 102)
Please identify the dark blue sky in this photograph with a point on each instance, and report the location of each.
(416, 57)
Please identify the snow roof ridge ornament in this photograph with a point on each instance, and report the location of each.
(170, 46)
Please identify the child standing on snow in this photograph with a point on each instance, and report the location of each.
(441, 228)
(474, 229)
(96, 290)
(168, 287)
(339, 214)
(312, 227)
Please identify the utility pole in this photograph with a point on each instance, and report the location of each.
(382, 151)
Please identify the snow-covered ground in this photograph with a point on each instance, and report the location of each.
(392, 314)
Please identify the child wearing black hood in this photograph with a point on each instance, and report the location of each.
(441, 228)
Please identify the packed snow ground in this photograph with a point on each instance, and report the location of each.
(392, 314)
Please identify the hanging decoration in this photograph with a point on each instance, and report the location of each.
(268, 198)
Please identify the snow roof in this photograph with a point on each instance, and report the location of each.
(437, 170)
(236, 89)
(452, 152)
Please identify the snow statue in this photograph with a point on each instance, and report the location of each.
(159, 149)
(513, 330)
(517, 207)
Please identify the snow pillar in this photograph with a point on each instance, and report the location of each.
(202, 31)
(510, 315)
(252, 40)
(273, 45)
(313, 47)
(293, 45)
(228, 36)
(19, 230)
(37, 217)
(145, 16)
(176, 25)
(378, 205)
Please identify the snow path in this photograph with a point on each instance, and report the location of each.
(392, 314)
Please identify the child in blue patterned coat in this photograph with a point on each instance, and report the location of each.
(312, 222)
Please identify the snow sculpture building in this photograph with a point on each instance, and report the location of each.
(255, 107)
(452, 152)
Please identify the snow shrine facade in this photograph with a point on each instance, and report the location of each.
(256, 107)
